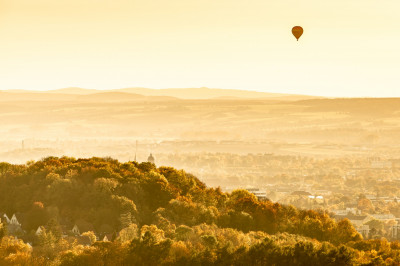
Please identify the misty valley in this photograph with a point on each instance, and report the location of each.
(122, 178)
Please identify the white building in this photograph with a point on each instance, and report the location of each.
(395, 230)
(14, 220)
(259, 194)
(384, 217)
(39, 230)
(346, 211)
(75, 230)
(381, 164)
(356, 220)
(363, 230)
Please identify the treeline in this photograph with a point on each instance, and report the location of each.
(199, 245)
(161, 216)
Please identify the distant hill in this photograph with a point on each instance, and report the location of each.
(110, 96)
(208, 93)
(74, 90)
(357, 106)
(22, 96)
(184, 93)
(81, 96)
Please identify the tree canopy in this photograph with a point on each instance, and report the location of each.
(162, 215)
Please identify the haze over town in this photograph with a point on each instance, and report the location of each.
(258, 132)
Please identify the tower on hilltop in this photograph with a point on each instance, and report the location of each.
(150, 159)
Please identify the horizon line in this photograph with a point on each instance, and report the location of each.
(188, 88)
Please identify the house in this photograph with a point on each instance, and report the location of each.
(81, 226)
(107, 237)
(259, 194)
(39, 230)
(323, 192)
(363, 230)
(281, 192)
(384, 217)
(379, 164)
(359, 220)
(75, 230)
(347, 211)
(14, 220)
(356, 220)
(13, 224)
(318, 199)
(301, 193)
(395, 231)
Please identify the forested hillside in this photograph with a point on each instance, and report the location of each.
(137, 214)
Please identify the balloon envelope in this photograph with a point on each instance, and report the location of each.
(297, 32)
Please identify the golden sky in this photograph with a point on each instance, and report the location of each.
(349, 47)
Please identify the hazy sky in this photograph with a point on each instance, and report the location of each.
(349, 47)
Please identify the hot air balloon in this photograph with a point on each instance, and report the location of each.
(297, 32)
